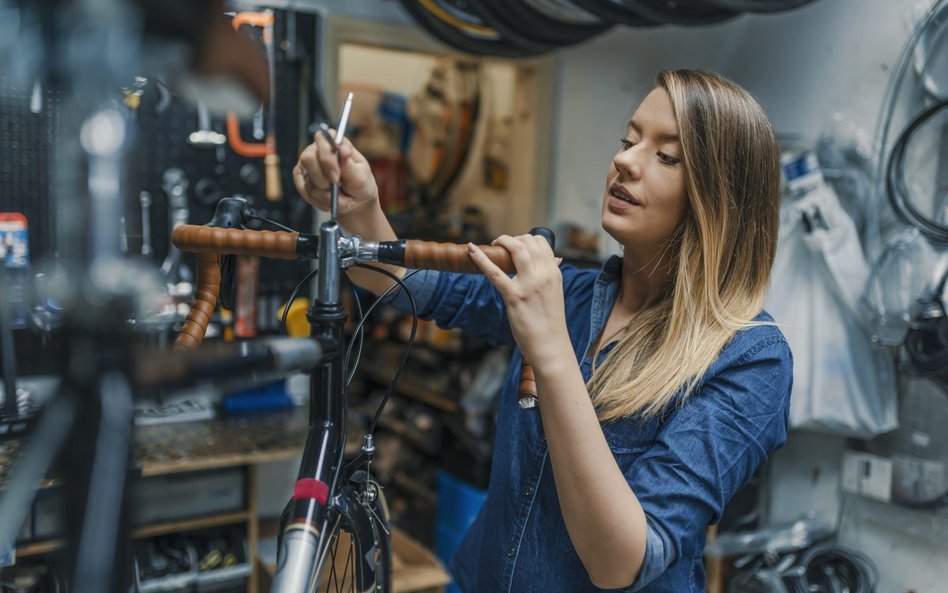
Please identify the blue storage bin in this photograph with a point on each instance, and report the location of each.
(458, 505)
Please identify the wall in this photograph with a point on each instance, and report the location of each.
(821, 68)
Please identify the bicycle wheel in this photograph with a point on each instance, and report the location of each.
(542, 23)
(450, 23)
(760, 5)
(359, 556)
(680, 12)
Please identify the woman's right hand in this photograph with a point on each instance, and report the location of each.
(318, 167)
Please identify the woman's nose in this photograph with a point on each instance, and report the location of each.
(628, 162)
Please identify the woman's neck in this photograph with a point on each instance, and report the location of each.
(647, 275)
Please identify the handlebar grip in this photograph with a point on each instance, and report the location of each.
(205, 300)
(527, 393)
(452, 257)
(205, 239)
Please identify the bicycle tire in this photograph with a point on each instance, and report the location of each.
(520, 19)
(480, 40)
(688, 13)
(760, 6)
(343, 549)
(614, 12)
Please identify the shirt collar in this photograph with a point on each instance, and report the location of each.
(604, 295)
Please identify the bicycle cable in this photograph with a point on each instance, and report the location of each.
(282, 227)
(364, 318)
(358, 331)
(408, 346)
(896, 187)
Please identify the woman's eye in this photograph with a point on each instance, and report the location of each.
(667, 159)
(626, 143)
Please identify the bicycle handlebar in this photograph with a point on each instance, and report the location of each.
(209, 243)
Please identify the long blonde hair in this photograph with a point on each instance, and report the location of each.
(725, 249)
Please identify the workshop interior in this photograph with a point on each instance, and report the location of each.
(187, 369)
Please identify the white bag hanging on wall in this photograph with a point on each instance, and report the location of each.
(843, 383)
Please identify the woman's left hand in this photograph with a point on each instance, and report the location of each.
(534, 296)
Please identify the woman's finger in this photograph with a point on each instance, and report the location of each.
(497, 277)
(518, 252)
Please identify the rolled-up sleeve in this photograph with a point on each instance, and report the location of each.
(707, 449)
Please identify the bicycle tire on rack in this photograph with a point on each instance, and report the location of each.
(679, 12)
(760, 6)
(466, 31)
(520, 19)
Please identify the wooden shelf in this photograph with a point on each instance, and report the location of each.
(40, 547)
(406, 388)
(190, 524)
(48, 545)
(404, 430)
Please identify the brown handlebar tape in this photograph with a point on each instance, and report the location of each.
(205, 239)
(527, 393)
(452, 257)
(205, 300)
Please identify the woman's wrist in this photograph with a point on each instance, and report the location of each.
(368, 221)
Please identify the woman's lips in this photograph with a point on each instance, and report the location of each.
(621, 199)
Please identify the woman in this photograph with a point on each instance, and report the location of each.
(662, 384)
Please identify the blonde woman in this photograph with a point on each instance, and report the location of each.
(662, 383)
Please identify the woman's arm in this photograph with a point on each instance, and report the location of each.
(604, 519)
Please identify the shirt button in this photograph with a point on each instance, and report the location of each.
(528, 492)
(511, 551)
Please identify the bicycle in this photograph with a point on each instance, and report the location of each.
(331, 497)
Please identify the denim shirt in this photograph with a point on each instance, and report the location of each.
(683, 467)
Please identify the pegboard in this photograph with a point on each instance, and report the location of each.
(164, 122)
(29, 126)
(161, 125)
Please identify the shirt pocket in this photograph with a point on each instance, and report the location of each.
(630, 435)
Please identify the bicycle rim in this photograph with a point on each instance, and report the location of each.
(338, 573)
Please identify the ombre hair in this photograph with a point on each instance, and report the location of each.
(725, 248)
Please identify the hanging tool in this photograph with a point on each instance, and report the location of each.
(205, 136)
(273, 189)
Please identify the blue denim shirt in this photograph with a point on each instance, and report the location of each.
(683, 467)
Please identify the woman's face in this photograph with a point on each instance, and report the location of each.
(645, 196)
